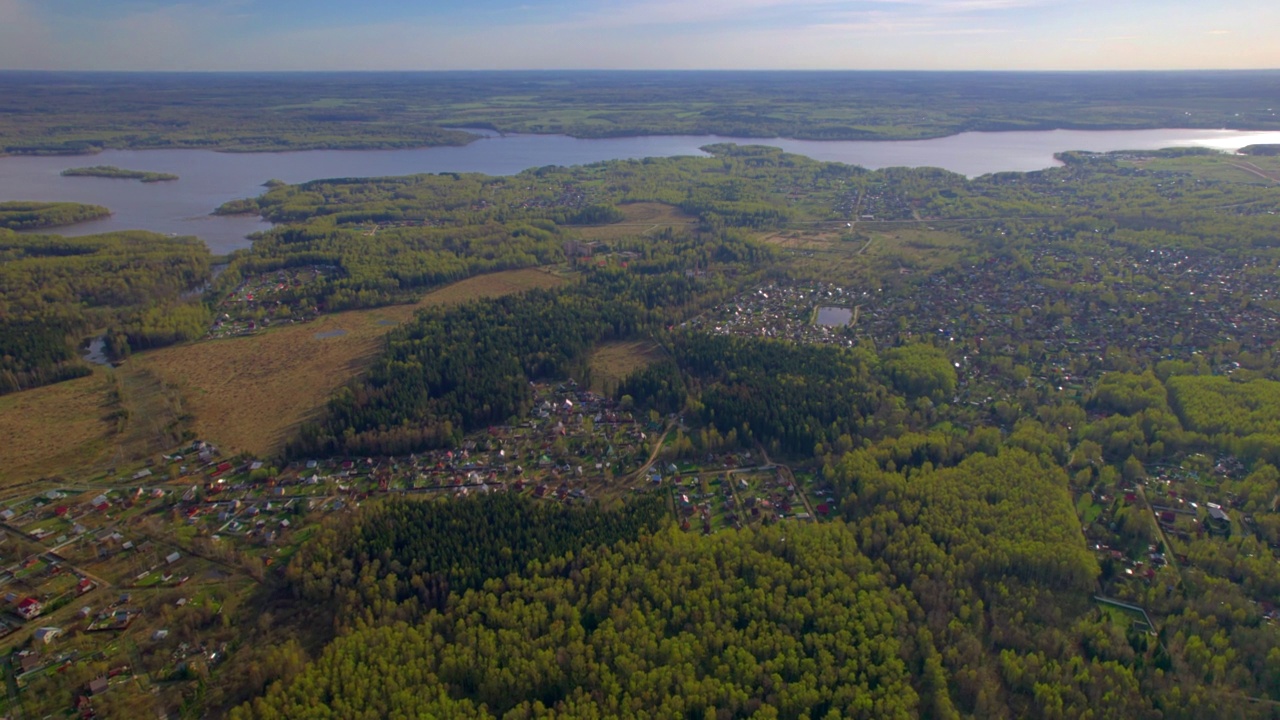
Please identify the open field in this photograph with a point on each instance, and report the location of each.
(845, 254)
(485, 286)
(50, 428)
(641, 218)
(249, 393)
(245, 393)
(1256, 169)
(613, 361)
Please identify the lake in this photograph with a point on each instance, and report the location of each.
(209, 178)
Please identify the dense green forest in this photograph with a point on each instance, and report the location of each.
(792, 623)
(77, 113)
(56, 290)
(21, 215)
(405, 558)
(111, 171)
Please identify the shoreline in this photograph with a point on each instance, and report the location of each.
(490, 133)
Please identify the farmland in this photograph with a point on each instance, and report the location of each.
(85, 426)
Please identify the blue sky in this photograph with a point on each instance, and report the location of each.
(657, 34)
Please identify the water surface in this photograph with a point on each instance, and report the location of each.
(834, 316)
(208, 179)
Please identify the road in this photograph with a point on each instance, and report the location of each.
(785, 471)
(1252, 169)
(1169, 555)
(653, 456)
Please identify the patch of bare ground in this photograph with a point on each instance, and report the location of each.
(611, 362)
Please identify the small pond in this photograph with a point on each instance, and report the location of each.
(834, 316)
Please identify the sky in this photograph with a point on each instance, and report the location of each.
(638, 34)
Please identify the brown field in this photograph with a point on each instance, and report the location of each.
(54, 427)
(652, 212)
(88, 425)
(245, 393)
(611, 362)
(641, 219)
(250, 393)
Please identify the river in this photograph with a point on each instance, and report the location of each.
(208, 179)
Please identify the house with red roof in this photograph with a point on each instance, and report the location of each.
(30, 608)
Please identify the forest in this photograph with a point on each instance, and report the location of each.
(83, 113)
(21, 215)
(57, 291)
(789, 623)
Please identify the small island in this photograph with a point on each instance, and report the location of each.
(111, 171)
(24, 215)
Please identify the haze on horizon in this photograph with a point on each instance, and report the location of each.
(247, 35)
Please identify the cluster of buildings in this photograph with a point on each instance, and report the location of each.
(783, 312)
(268, 297)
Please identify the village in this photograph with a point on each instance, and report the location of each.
(120, 578)
(1149, 530)
(1059, 336)
(261, 299)
(1054, 318)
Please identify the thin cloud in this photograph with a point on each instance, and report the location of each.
(903, 28)
(730, 34)
(803, 13)
(26, 41)
(970, 6)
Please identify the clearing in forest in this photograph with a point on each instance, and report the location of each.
(250, 393)
(639, 219)
(611, 362)
(838, 255)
